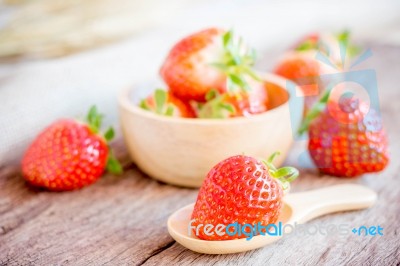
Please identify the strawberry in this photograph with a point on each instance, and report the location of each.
(207, 60)
(345, 138)
(302, 66)
(296, 66)
(305, 70)
(164, 103)
(234, 104)
(69, 154)
(241, 189)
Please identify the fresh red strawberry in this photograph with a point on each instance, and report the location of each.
(241, 189)
(332, 46)
(296, 66)
(308, 42)
(164, 103)
(68, 154)
(235, 104)
(305, 70)
(206, 60)
(346, 138)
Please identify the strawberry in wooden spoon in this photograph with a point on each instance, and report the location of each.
(241, 189)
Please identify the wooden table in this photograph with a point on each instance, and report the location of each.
(121, 220)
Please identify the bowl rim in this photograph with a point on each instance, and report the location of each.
(125, 103)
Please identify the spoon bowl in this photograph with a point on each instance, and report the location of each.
(298, 208)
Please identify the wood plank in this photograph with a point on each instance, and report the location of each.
(121, 220)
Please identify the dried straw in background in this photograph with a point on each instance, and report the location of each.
(51, 28)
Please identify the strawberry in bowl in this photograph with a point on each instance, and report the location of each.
(165, 103)
(181, 150)
(214, 62)
(214, 105)
(210, 59)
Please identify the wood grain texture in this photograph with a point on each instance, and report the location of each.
(122, 220)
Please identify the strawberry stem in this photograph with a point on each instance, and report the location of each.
(161, 105)
(94, 120)
(344, 41)
(236, 63)
(284, 174)
(215, 107)
(113, 166)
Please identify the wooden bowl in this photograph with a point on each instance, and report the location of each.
(181, 151)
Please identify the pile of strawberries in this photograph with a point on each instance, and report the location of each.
(209, 74)
(346, 139)
(346, 136)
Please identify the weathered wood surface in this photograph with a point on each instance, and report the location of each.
(122, 220)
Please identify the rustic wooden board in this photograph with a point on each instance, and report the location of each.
(121, 220)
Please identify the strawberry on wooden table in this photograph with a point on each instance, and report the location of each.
(300, 63)
(69, 154)
(241, 189)
(346, 137)
(304, 64)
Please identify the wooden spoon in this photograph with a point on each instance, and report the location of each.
(298, 208)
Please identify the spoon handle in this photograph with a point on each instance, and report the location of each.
(311, 204)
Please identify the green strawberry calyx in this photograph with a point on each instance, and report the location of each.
(345, 44)
(236, 62)
(314, 112)
(284, 174)
(161, 105)
(215, 107)
(317, 43)
(94, 120)
(309, 44)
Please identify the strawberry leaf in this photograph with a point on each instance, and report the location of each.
(211, 94)
(216, 108)
(287, 174)
(314, 112)
(227, 38)
(109, 135)
(236, 62)
(94, 119)
(344, 41)
(238, 80)
(92, 114)
(160, 97)
(306, 46)
(284, 174)
(170, 110)
(113, 165)
(221, 66)
(143, 104)
(251, 73)
(229, 107)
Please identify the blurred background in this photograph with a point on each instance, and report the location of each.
(58, 57)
